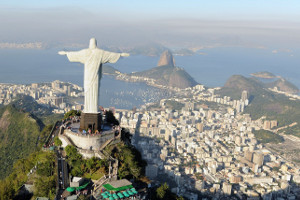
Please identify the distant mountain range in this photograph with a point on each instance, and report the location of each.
(148, 50)
(263, 75)
(151, 49)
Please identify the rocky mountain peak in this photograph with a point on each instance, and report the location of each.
(166, 58)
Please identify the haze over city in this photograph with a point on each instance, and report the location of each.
(258, 23)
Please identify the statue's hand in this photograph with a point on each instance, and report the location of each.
(125, 54)
(62, 53)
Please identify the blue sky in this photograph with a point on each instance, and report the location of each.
(176, 22)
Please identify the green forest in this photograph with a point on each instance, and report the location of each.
(42, 164)
(265, 136)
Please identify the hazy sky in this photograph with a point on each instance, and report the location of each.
(170, 22)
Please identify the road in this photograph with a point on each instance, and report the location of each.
(62, 175)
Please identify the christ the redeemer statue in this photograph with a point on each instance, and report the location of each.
(92, 58)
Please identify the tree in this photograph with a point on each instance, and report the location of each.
(162, 190)
(72, 113)
(91, 164)
(45, 186)
(57, 141)
(45, 168)
(123, 171)
(77, 171)
(72, 153)
(6, 190)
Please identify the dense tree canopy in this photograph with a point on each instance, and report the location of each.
(72, 113)
(44, 179)
(131, 164)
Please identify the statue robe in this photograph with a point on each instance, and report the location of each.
(92, 60)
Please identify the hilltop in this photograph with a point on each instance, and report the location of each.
(152, 49)
(278, 82)
(166, 58)
(264, 102)
(264, 74)
(109, 70)
(283, 85)
(167, 74)
(237, 83)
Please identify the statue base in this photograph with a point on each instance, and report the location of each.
(91, 121)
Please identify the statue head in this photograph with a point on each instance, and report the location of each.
(93, 43)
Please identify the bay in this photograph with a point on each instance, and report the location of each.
(212, 68)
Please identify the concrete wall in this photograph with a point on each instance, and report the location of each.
(64, 140)
(86, 153)
(89, 142)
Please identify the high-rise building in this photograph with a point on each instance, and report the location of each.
(244, 95)
(258, 158)
(69, 90)
(249, 155)
(58, 101)
(199, 126)
(55, 84)
(227, 188)
(34, 85)
(238, 106)
(66, 89)
(238, 140)
(235, 179)
(210, 114)
(267, 125)
(274, 123)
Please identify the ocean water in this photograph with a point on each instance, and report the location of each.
(212, 68)
(35, 66)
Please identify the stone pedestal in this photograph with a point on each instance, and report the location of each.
(91, 120)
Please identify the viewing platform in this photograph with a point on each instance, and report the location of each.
(88, 143)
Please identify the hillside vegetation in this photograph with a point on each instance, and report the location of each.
(131, 164)
(109, 70)
(283, 85)
(21, 131)
(19, 134)
(44, 178)
(264, 102)
(41, 113)
(169, 76)
(265, 136)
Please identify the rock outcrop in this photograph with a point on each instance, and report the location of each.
(166, 58)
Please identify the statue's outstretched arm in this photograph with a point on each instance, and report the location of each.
(74, 56)
(62, 53)
(125, 54)
(111, 57)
